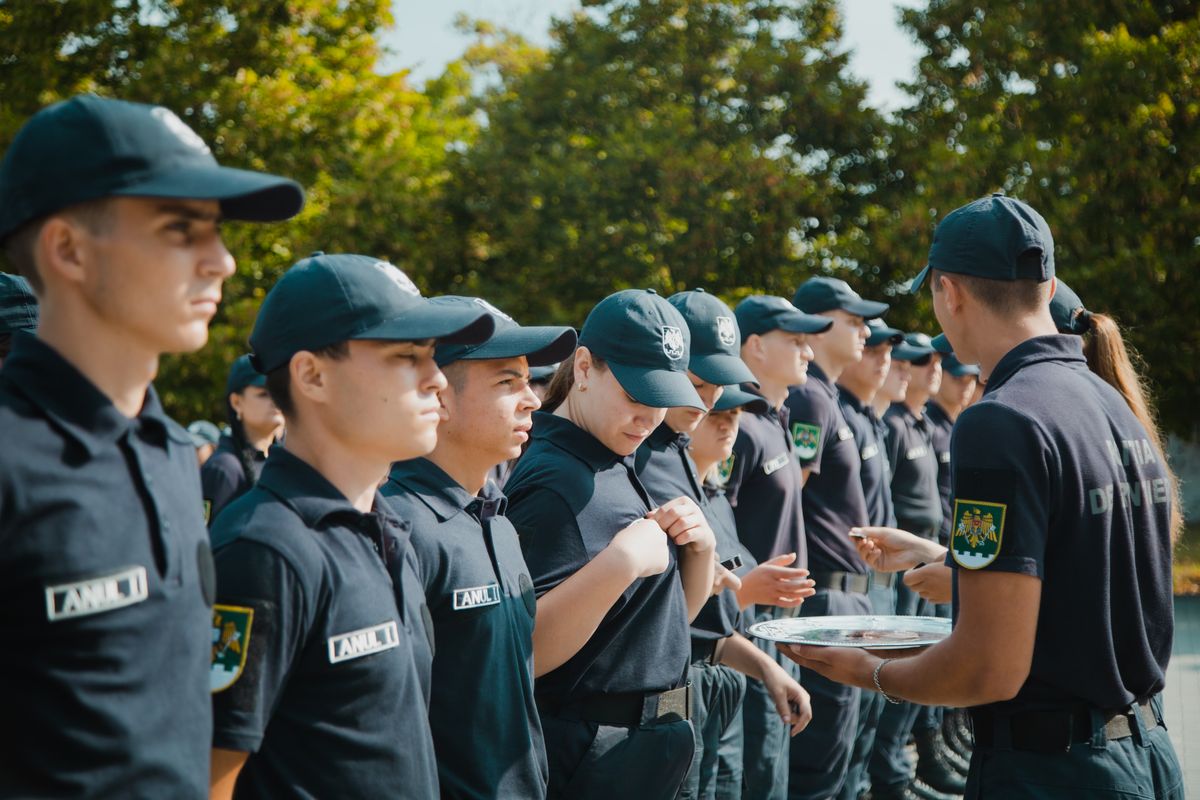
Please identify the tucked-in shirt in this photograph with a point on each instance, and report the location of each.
(833, 494)
(223, 477)
(569, 495)
(1081, 500)
(667, 471)
(876, 476)
(328, 691)
(764, 486)
(914, 471)
(105, 591)
(940, 429)
(486, 728)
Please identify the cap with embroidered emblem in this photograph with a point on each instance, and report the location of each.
(716, 340)
(326, 299)
(823, 293)
(90, 147)
(760, 313)
(881, 333)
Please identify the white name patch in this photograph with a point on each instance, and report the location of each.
(96, 595)
(944, 457)
(363, 642)
(913, 453)
(869, 452)
(775, 464)
(845, 433)
(476, 596)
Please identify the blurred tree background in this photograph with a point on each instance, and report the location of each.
(670, 144)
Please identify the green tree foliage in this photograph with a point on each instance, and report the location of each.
(669, 144)
(1087, 110)
(287, 86)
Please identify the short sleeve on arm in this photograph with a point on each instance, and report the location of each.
(1002, 473)
(811, 423)
(259, 630)
(737, 467)
(549, 535)
(220, 478)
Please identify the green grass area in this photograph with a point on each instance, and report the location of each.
(1187, 561)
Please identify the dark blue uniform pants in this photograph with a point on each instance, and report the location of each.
(717, 694)
(870, 707)
(765, 745)
(730, 753)
(820, 754)
(589, 761)
(1140, 766)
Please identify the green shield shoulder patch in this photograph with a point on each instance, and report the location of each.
(978, 532)
(807, 439)
(207, 511)
(230, 643)
(725, 468)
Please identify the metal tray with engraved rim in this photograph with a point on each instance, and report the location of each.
(868, 631)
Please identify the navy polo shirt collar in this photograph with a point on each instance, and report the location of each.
(308, 493)
(781, 414)
(566, 435)
(851, 399)
(664, 436)
(72, 402)
(444, 496)
(1054, 347)
(822, 380)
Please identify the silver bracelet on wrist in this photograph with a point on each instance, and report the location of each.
(878, 688)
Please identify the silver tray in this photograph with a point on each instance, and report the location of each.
(868, 631)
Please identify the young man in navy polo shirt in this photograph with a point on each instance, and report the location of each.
(321, 643)
(485, 725)
(764, 490)
(112, 211)
(1061, 547)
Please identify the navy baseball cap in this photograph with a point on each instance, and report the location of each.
(542, 374)
(645, 342)
(881, 333)
(242, 374)
(1068, 311)
(760, 313)
(941, 344)
(736, 397)
(204, 432)
(18, 306)
(958, 369)
(716, 340)
(326, 299)
(91, 147)
(540, 345)
(994, 237)
(915, 347)
(828, 294)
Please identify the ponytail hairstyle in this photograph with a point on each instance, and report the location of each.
(1109, 358)
(562, 381)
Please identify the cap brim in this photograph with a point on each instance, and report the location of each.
(961, 370)
(867, 309)
(721, 368)
(446, 325)
(910, 352)
(880, 336)
(244, 195)
(657, 388)
(914, 285)
(541, 345)
(736, 397)
(803, 323)
(942, 345)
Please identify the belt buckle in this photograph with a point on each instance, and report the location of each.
(673, 703)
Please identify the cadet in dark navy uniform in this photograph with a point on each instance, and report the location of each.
(320, 658)
(18, 310)
(953, 396)
(255, 423)
(618, 576)
(1061, 545)
(857, 387)
(111, 211)
(764, 490)
(667, 471)
(834, 503)
(485, 725)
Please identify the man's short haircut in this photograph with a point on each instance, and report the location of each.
(279, 380)
(20, 246)
(1020, 296)
(456, 374)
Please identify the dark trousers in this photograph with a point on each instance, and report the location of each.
(730, 754)
(930, 717)
(820, 754)
(1140, 766)
(717, 694)
(589, 761)
(765, 742)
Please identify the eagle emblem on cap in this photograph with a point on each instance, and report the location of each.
(399, 278)
(672, 342)
(726, 333)
(179, 128)
(491, 309)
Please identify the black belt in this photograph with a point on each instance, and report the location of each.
(707, 651)
(842, 581)
(624, 708)
(1054, 731)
